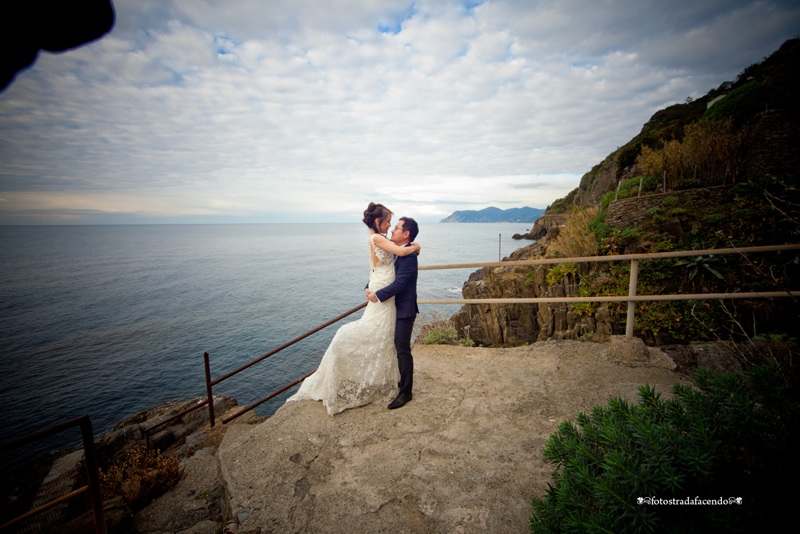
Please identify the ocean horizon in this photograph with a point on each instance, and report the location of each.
(109, 320)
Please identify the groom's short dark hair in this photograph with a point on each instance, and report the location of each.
(410, 226)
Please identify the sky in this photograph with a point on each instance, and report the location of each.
(247, 111)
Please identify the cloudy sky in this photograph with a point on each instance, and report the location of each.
(304, 111)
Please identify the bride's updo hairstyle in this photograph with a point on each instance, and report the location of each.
(375, 212)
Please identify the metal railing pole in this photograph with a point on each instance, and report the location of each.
(633, 282)
(93, 474)
(208, 390)
(288, 344)
(92, 470)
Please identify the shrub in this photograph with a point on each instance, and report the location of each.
(740, 104)
(670, 200)
(561, 205)
(598, 225)
(441, 336)
(600, 229)
(142, 476)
(557, 273)
(733, 438)
(443, 333)
(713, 219)
(709, 155)
(573, 238)
(583, 308)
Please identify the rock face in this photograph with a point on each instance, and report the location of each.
(516, 324)
(174, 438)
(595, 183)
(547, 225)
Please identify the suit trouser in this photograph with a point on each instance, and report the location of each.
(402, 342)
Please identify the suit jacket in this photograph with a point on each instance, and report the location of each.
(404, 287)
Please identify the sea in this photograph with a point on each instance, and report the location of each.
(111, 320)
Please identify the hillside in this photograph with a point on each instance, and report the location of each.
(761, 106)
(493, 215)
(718, 172)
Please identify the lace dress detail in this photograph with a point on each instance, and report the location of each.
(360, 364)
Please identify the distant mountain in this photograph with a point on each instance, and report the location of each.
(492, 214)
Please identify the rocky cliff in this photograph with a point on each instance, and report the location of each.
(517, 324)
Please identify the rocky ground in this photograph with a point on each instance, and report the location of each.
(464, 456)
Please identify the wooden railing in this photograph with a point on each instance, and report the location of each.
(632, 297)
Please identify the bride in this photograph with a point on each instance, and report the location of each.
(360, 365)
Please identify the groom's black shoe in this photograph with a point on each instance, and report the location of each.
(400, 401)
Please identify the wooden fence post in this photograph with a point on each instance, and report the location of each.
(634, 280)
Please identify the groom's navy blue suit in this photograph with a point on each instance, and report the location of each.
(404, 289)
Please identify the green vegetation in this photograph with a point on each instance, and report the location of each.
(732, 437)
(561, 205)
(758, 211)
(702, 264)
(740, 105)
(557, 273)
(436, 331)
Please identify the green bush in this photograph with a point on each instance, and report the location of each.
(443, 333)
(441, 336)
(561, 205)
(714, 219)
(732, 439)
(557, 273)
(740, 104)
(598, 226)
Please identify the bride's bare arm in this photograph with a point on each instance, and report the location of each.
(397, 250)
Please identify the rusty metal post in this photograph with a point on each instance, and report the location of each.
(208, 389)
(93, 474)
(633, 282)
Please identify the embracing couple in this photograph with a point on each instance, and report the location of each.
(369, 360)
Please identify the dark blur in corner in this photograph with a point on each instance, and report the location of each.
(28, 26)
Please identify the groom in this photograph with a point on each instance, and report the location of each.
(404, 289)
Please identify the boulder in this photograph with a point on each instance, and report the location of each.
(628, 350)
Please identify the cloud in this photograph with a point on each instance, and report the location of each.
(246, 110)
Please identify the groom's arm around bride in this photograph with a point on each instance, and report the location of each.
(404, 289)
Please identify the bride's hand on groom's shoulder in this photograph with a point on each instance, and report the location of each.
(418, 247)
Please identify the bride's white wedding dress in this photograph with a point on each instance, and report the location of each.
(360, 365)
